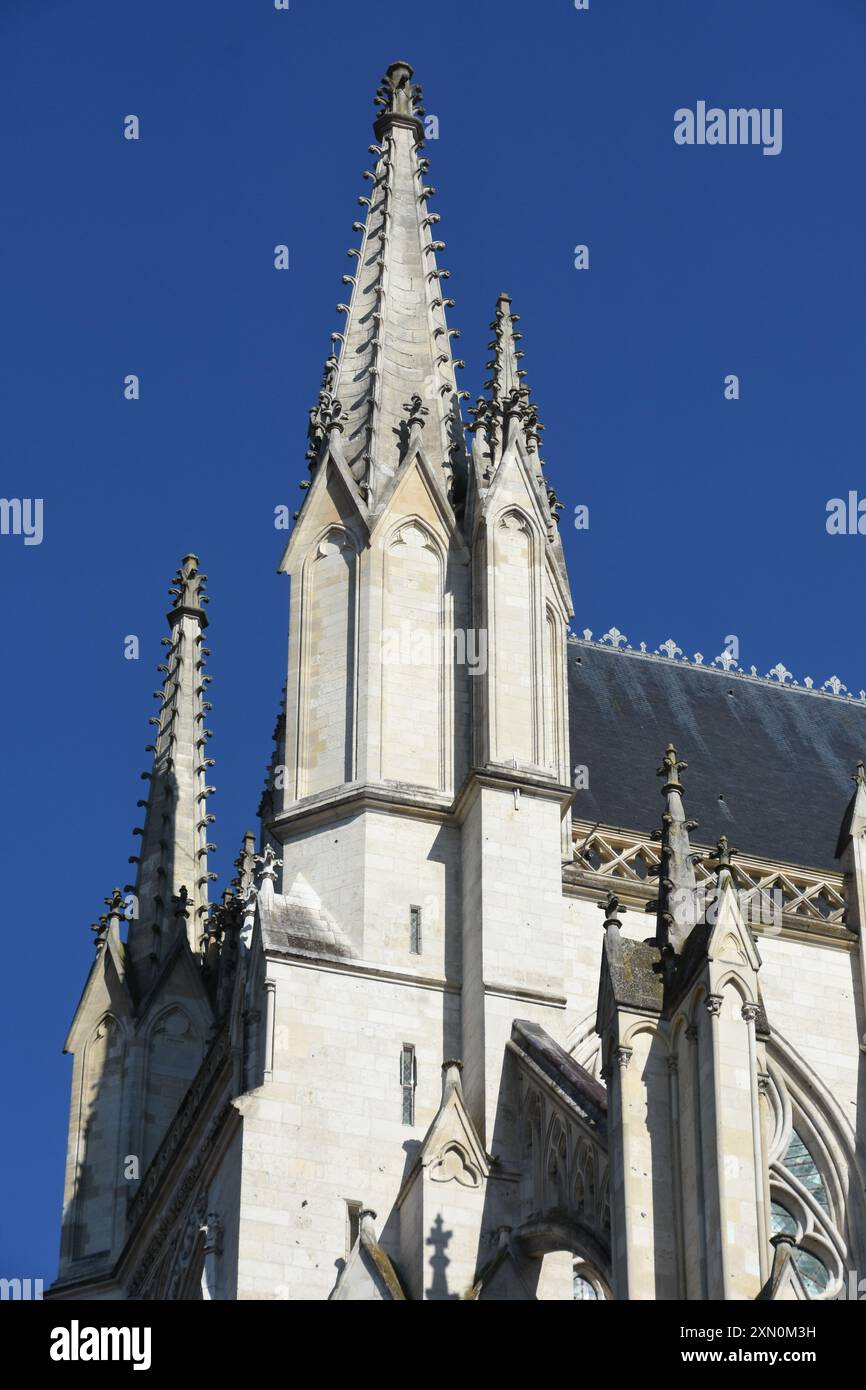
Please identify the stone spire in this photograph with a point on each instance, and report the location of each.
(507, 412)
(171, 885)
(396, 343)
(675, 907)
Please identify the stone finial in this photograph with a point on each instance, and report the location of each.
(611, 907)
(187, 590)
(267, 864)
(670, 769)
(116, 903)
(398, 99)
(720, 861)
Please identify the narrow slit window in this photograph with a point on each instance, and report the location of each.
(407, 1082)
(353, 1225)
(415, 930)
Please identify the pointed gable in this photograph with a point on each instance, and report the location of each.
(368, 1275)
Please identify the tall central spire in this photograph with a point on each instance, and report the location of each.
(396, 341)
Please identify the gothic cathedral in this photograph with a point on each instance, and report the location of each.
(484, 1014)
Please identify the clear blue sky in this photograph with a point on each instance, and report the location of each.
(156, 257)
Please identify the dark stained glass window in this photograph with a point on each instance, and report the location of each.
(800, 1162)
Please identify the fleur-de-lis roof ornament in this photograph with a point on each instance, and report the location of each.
(670, 649)
(779, 673)
(725, 660)
(834, 685)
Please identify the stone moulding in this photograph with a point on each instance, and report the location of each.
(178, 1205)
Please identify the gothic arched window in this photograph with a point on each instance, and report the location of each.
(812, 1270)
(800, 1162)
(583, 1289)
(587, 1284)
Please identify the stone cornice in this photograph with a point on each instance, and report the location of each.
(422, 803)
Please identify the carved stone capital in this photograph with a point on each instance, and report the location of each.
(623, 1056)
(750, 1012)
(713, 1004)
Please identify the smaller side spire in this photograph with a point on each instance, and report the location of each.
(676, 906)
(172, 878)
(509, 409)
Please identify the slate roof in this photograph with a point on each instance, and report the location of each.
(769, 766)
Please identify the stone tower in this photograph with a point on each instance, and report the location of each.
(399, 1059)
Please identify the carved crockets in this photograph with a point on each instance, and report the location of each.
(509, 411)
(394, 338)
(326, 415)
(173, 853)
